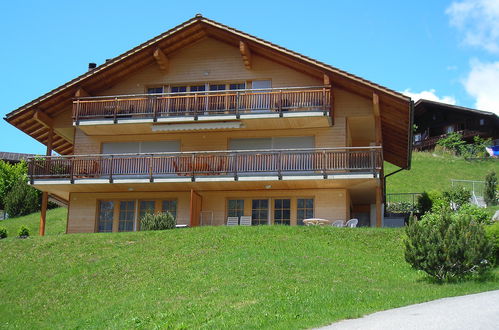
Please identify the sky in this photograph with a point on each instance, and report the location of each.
(439, 50)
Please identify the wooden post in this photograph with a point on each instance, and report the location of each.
(379, 220)
(45, 195)
(195, 208)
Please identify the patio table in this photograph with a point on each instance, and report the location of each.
(316, 222)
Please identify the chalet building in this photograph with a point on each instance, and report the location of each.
(434, 120)
(208, 122)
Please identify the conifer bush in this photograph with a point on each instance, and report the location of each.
(448, 248)
(3, 232)
(490, 189)
(23, 232)
(157, 221)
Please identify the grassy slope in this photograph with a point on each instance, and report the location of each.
(56, 223)
(429, 172)
(216, 277)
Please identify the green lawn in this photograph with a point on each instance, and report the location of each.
(210, 277)
(431, 172)
(56, 223)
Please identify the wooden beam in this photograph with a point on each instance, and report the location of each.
(245, 54)
(161, 59)
(377, 121)
(80, 92)
(45, 195)
(43, 119)
(379, 220)
(327, 80)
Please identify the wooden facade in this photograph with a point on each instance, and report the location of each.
(434, 120)
(205, 121)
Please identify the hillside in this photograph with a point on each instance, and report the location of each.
(214, 277)
(430, 172)
(56, 222)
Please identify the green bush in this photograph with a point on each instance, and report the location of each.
(447, 248)
(3, 232)
(22, 200)
(424, 203)
(490, 189)
(452, 142)
(493, 234)
(157, 221)
(477, 214)
(23, 232)
(457, 196)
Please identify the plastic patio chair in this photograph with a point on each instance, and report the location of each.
(245, 220)
(338, 223)
(352, 223)
(232, 221)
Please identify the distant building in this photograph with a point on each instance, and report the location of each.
(14, 157)
(434, 120)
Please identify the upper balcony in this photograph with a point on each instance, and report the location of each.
(234, 108)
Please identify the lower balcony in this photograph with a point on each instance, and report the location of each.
(210, 166)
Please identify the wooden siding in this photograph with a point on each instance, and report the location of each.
(222, 62)
(332, 204)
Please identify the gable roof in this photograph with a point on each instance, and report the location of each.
(422, 103)
(396, 112)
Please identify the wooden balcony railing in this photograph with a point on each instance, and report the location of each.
(215, 163)
(235, 102)
(430, 142)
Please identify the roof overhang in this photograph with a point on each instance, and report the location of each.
(396, 115)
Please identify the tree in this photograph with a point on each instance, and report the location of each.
(9, 175)
(490, 189)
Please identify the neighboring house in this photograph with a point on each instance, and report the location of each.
(14, 157)
(208, 122)
(434, 120)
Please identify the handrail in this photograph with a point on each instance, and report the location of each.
(209, 152)
(203, 103)
(323, 161)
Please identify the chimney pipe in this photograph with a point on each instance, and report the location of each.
(91, 66)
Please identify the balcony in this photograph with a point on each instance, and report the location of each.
(291, 102)
(212, 166)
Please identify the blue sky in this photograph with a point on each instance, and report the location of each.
(446, 50)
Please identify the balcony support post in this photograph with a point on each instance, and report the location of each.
(237, 105)
(111, 169)
(279, 165)
(324, 173)
(155, 109)
(45, 195)
(151, 179)
(279, 103)
(115, 119)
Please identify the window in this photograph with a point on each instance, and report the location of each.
(235, 208)
(449, 129)
(170, 206)
(199, 88)
(155, 90)
(127, 215)
(417, 137)
(179, 89)
(259, 212)
(282, 211)
(482, 122)
(304, 209)
(217, 87)
(106, 211)
(237, 86)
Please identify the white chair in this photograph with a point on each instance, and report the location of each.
(338, 223)
(352, 223)
(245, 220)
(232, 221)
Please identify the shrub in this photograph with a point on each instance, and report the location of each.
(448, 248)
(493, 234)
(23, 232)
(477, 214)
(457, 196)
(157, 221)
(424, 203)
(22, 199)
(3, 232)
(490, 189)
(452, 142)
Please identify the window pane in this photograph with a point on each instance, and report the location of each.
(218, 87)
(127, 215)
(179, 89)
(282, 211)
(155, 90)
(238, 86)
(305, 209)
(199, 88)
(106, 211)
(235, 208)
(170, 206)
(259, 211)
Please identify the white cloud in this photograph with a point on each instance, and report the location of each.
(479, 21)
(429, 95)
(483, 84)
